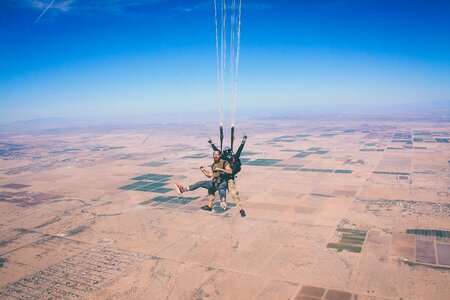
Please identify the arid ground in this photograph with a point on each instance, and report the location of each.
(336, 209)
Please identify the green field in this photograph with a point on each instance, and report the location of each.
(351, 240)
(430, 232)
(389, 173)
(343, 171)
(153, 177)
(196, 156)
(316, 170)
(154, 183)
(263, 162)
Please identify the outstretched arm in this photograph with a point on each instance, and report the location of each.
(212, 145)
(206, 173)
(238, 152)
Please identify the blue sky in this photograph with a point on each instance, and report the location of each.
(112, 58)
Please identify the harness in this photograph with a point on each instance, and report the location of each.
(217, 177)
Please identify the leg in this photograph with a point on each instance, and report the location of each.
(211, 200)
(222, 188)
(209, 206)
(211, 195)
(206, 184)
(235, 195)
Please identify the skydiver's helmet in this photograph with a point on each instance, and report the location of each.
(226, 154)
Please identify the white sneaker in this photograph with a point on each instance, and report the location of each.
(223, 204)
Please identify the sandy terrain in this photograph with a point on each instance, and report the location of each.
(335, 210)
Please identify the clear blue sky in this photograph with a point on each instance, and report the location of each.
(118, 57)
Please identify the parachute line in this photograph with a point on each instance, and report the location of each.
(219, 80)
(228, 43)
(236, 61)
(224, 58)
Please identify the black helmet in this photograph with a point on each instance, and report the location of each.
(226, 153)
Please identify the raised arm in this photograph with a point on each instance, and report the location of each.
(238, 152)
(212, 145)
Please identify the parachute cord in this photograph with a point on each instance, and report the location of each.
(219, 80)
(222, 70)
(232, 57)
(223, 65)
(227, 75)
(236, 62)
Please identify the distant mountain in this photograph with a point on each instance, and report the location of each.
(41, 122)
(36, 124)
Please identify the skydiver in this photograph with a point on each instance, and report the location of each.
(235, 164)
(220, 170)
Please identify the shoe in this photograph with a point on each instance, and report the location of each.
(223, 204)
(206, 207)
(180, 189)
(242, 213)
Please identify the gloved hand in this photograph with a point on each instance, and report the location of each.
(210, 141)
(244, 138)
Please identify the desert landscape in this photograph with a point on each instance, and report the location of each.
(350, 208)
(107, 108)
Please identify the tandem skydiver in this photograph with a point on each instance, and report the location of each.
(235, 164)
(220, 170)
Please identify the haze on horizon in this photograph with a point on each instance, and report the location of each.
(77, 58)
